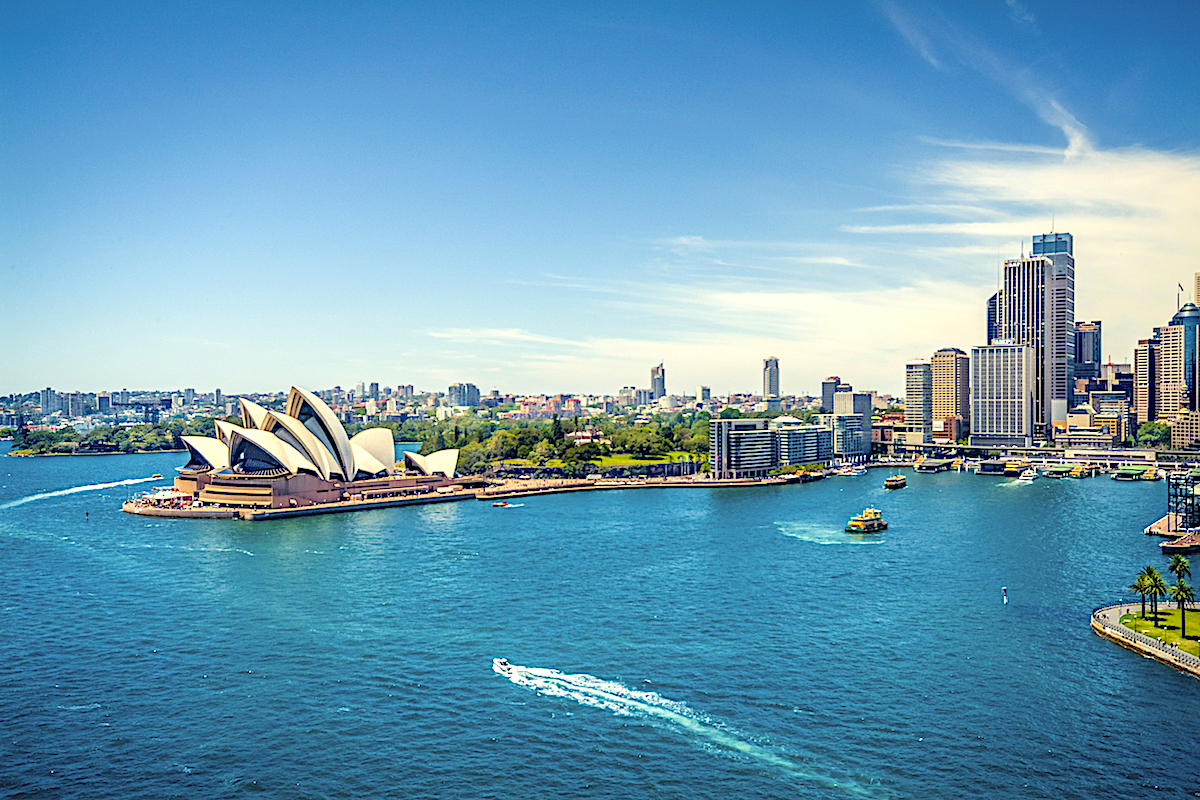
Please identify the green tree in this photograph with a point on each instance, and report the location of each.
(542, 452)
(1154, 434)
(1142, 587)
(1183, 594)
(1180, 567)
(1156, 587)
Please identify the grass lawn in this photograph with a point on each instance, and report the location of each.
(1168, 627)
(615, 460)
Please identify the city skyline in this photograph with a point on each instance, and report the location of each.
(551, 199)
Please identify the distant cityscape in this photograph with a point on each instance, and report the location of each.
(1038, 380)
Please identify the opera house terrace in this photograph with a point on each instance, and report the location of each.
(295, 463)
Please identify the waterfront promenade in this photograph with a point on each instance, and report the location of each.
(1106, 622)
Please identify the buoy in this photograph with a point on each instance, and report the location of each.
(1004, 594)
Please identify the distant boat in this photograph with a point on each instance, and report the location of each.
(156, 475)
(1029, 476)
(895, 482)
(851, 471)
(869, 521)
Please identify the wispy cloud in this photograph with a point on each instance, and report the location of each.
(1021, 15)
(912, 33)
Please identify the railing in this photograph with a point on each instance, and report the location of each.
(1117, 629)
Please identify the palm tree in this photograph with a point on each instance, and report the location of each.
(1141, 587)
(1179, 566)
(1181, 593)
(1158, 588)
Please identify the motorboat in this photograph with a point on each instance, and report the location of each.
(1029, 476)
(506, 504)
(869, 521)
(895, 482)
(502, 666)
(851, 471)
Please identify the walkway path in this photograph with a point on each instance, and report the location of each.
(1107, 623)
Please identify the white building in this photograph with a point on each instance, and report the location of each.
(1003, 395)
(918, 402)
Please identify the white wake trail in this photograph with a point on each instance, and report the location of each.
(91, 487)
(589, 690)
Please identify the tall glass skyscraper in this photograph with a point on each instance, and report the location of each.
(1036, 308)
(770, 378)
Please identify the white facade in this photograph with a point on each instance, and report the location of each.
(1002, 395)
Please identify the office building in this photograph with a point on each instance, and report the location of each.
(1036, 309)
(373, 391)
(770, 378)
(47, 401)
(741, 448)
(1002, 395)
(951, 369)
(189, 397)
(1087, 349)
(703, 394)
(462, 394)
(217, 398)
(658, 382)
(829, 387)
(1167, 369)
(918, 402)
(799, 444)
(993, 318)
(855, 441)
(104, 403)
(360, 391)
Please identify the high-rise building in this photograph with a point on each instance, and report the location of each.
(858, 406)
(75, 405)
(703, 394)
(1144, 360)
(1002, 395)
(104, 403)
(829, 387)
(462, 394)
(658, 382)
(46, 401)
(918, 402)
(189, 397)
(993, 318)
(951, 370)
(1167, 369)
(770, 378)
(360, 391)
(1036, 308)
(1087, 349)
(217, 398)
(373, 392)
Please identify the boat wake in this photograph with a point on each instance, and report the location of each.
(613, 696)
(816, 534)
(91, 487)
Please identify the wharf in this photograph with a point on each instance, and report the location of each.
(260, 514)
(530, 488)
(1168, 526)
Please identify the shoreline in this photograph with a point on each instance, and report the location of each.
(1106, 622)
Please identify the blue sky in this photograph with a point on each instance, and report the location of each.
(551, 198)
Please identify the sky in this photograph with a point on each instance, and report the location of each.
(546, 198)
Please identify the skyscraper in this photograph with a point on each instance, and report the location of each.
(918, 402)
(1036, 308)
(951, 370)
(829, 387)
(373, 391)
(770, 378)
(993, 318)
(658, 382)
(858, 406)
(1002, 397)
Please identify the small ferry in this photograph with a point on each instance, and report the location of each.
(1151, 474)
(1029, 476)
(869, 521)
(1132, 472)
(895, 482)
(1015, 467)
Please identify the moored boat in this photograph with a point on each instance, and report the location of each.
(895, 482)
(1130, 472)
(869, 521)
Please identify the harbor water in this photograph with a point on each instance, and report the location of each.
(699, 643)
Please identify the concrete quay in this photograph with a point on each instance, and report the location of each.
(1106, 622)
(528, 488)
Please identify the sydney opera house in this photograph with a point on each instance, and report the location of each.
(295, 459)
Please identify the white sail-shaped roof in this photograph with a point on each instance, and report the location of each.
(324, 424)
(443, 462)
(293, 432)
(379, 443)
(252, 413)
(282, 453)
(207, 450)
(224, 429)
(367, 465)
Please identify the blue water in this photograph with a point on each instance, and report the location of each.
(666, 643)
